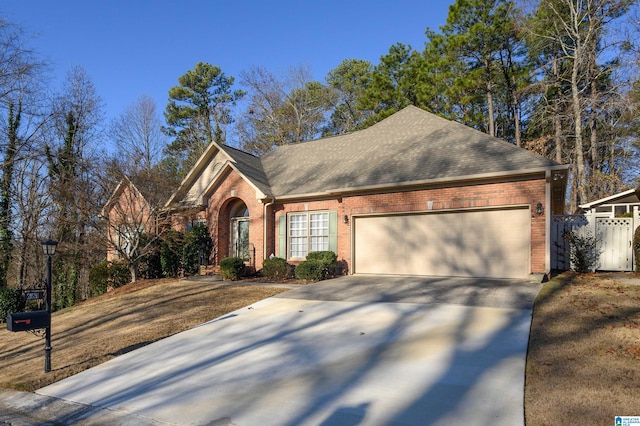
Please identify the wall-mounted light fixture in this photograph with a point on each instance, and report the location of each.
(346, 219)
(539, 209)
(558, 175)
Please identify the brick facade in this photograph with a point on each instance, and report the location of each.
(128, 211)
(489, 195)
(218, 214)
(469, 196)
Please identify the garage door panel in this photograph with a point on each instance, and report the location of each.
(487, 243)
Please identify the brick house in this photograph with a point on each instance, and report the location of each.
(414, 194)
(131, 213)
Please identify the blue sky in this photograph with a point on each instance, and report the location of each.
(135, 47)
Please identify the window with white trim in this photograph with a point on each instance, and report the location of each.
(308, 231)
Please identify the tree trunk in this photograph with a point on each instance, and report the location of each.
(573, 197)
(492, 130)
(557, 137)
(133, 269)
(516, 120)
(6, 237)
(595, 156)
(557, 123)
(580, 177)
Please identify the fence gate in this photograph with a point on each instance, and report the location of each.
(615, 237)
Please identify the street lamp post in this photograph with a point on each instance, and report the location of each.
(49, 248)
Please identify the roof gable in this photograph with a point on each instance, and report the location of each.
(629, 196)
(124, 184)
(210, 167)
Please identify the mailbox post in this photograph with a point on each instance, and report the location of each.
(49, 248)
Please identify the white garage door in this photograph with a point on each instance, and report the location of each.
(474, 243)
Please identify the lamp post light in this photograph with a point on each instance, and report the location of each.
(49, 248)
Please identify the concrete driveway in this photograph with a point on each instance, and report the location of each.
(357, 350)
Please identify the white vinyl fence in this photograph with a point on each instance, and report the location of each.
(614, 236)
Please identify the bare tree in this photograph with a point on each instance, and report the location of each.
(19, 72)
(134, 222)
(138, 136)
(18, 63)
(282, 110)
(575, 29)
(31, 204)
(71, 158)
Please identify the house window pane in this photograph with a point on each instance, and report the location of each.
(319, 243)
(319, 224)
(298, 225)
(298, 247)
(298, 236)
(319, 231)
(308, 232)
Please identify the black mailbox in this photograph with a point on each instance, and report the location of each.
(25, 321)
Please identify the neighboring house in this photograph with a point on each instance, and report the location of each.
(129, 216)
(616, 205)
(412, 194)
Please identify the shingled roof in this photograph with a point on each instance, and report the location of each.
(410, 147)
(250, 166)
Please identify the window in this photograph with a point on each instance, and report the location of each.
(195, 222)
(307, 232)
(125, 240)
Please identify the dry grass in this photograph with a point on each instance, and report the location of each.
(583, 365)
(115, 323)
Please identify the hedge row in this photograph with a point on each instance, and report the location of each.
(318, 265)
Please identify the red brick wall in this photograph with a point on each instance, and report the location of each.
(234, 188)
(525, 192)
(132, 209)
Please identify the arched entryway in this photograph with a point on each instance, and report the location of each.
(239, 232)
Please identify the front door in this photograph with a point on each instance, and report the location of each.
(240, 238)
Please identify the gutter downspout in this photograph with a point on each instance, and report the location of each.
(264, 226)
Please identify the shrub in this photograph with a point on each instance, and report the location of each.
(64, 284)
(319, 265)
(105, 274)
(99, 278)
(636, 249)
(231, 268)
(276, 268)
(171, 254)
(119, 274)
(311, 270)
(196, 250)
(584, 252)
(150, 264)
(11, 300)
(326, 257)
